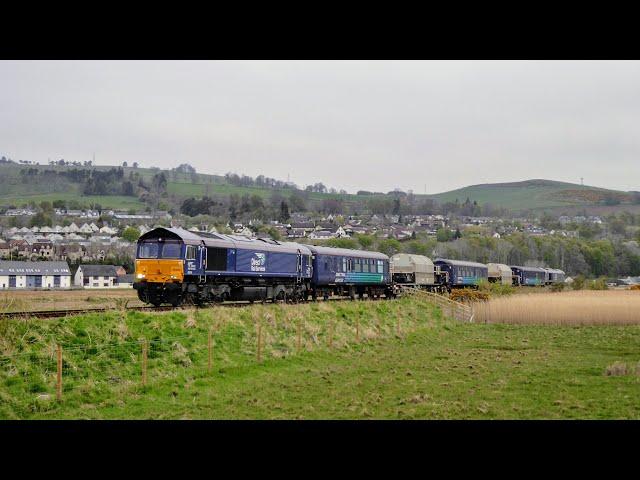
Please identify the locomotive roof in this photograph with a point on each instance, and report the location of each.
(459, 263)
(225, 241)
(347, 252)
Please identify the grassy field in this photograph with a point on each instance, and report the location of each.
(350, 363)
(33, 301)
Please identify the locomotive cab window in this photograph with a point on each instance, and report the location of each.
(148, 250)
(191, 252)
(171, 250)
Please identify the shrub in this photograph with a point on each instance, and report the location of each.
(558, 287)
(465, 295)
(578, 282)
(598, 284)
(495, 288)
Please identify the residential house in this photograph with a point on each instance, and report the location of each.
(98, 276)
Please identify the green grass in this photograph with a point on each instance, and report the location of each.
(117, 202)
(436, 368)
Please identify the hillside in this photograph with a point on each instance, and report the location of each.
(17, 189)
(533, 194)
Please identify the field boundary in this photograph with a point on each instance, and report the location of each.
(456, 310)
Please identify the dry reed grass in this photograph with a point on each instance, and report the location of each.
(621, 307)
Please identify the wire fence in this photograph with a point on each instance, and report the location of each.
(51, 370)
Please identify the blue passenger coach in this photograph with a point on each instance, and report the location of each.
(342, 271)
(529, 276)
(459, 273)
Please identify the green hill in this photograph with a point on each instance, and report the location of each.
(17, 189)
(533, 194)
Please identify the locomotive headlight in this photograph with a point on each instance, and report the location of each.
(141, 275)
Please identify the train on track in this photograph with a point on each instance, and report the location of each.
(175, 266)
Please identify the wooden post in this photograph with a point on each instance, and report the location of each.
(398, 326)
(331, 327)
(209, 351)
(59, 378)
(357, 330)
(299, 341)
(259, 346)
(379, 326)
(144, 363)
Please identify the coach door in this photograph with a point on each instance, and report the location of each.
(299, 266)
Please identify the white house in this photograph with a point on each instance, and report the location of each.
(98, 276)
(34, 275)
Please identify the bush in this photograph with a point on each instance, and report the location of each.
(598, 284)
(495, 288)
(558, 287)
(578, 282)
(466, 295)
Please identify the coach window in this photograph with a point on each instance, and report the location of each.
(358, 265)
(191, 252)
(344, 264)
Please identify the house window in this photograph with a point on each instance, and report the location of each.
(12, 281)
(56, 280)
(85, 280)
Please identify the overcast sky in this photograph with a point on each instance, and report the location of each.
(355, 125)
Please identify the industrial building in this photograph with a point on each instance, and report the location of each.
(29, 275)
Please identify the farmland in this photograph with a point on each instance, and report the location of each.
(388, 359)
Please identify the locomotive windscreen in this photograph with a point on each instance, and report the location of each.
(216, 259)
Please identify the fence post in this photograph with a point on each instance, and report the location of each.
(144, 362)
(209, 351)
(259, 346)
(357, 329)
(398, 325)
(59, 376)
(331, 328)
(299, 339)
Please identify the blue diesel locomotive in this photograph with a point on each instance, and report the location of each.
(174, 265)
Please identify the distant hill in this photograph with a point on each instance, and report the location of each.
(17, 189)
(535, 194)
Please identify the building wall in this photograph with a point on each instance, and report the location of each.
(99, 282)
(47, 281)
